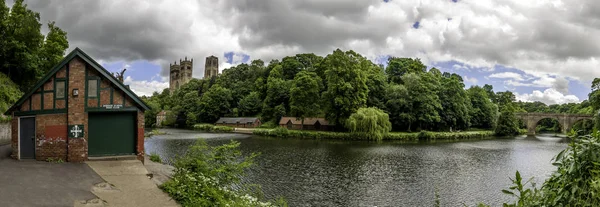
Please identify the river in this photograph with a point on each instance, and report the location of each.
(358, 173)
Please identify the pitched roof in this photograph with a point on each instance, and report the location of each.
(86, 58)
(307, 121)
(234, 120)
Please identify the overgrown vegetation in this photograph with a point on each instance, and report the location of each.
(212, 128)
(401, 136)
(206, 176)
(576, 182)
(155, 132)
(155, 158)
(9, 94)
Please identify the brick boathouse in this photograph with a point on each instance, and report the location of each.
(78, 110)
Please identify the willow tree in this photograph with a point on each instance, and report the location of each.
(371, 123)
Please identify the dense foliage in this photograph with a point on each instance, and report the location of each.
(9, 94)
(206, 176)
(371, 123)
(574, 183)
(25, 53)
(336, 86)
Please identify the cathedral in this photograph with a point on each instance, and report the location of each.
(182, 73)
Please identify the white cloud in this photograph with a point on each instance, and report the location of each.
(472, 80)
(509, 75)
(145, 88)
(549, 96)
(543, 37)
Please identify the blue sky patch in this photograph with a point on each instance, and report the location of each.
(138, 70)
(416, 25)
(236, 57)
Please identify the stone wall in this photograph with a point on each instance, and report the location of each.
(5, 132)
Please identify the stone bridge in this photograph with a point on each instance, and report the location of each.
(566, 120)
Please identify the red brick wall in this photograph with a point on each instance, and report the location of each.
(140, 136)
(76, 111)
(51, 129)
(15, 137)
(51, 136)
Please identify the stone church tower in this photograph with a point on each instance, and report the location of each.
(211, 67)
(180, 74)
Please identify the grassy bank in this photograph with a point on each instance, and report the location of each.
(402, 136)
(212, 128)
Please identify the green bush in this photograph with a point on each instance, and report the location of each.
(370, 123)
(206, 174)
(155, 158)
(403, 136)
(269, 125)
(212, 128)
(507, 124)
(576, 182)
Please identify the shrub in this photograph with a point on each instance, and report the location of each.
(269, 125)
(204, 176)
(403, 136)
(507, 124)
(212, 128)
(155, 158)
(576, 182)
(371, 123)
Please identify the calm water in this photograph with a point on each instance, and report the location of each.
(342, 173)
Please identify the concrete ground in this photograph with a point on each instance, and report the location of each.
(161, 173)
(36, 183)
(127, 184)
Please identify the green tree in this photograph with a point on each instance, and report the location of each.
(377, 84)
(398, 67)
(483, 112)
(277, 94)
(506, 100)
(398, 106)
(594, 98)
(507, 124)
(305, 95)
(371, 123)
(346, 85)
(215, 103)
(25, 55)
(455, 103)
(53, 49)
(425, 102)
(489, 89)
(250, 105)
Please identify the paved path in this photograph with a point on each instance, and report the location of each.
(128, 185)
(36, 183)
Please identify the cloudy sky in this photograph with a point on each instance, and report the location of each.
(543, 50)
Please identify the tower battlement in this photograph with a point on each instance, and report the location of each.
(180, 73)
(211, 67)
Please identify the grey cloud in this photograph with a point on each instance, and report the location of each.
(315, 26)
(561, 84)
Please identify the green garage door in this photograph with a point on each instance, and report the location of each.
(111, 134)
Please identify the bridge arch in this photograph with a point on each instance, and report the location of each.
(566, 121)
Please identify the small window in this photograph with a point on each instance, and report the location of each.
(92, 88)
(60, 89)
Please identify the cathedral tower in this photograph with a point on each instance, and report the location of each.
(211, 67)
(180, 73)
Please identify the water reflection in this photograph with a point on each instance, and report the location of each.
(345, 173)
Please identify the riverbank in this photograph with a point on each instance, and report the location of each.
(400, 136)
